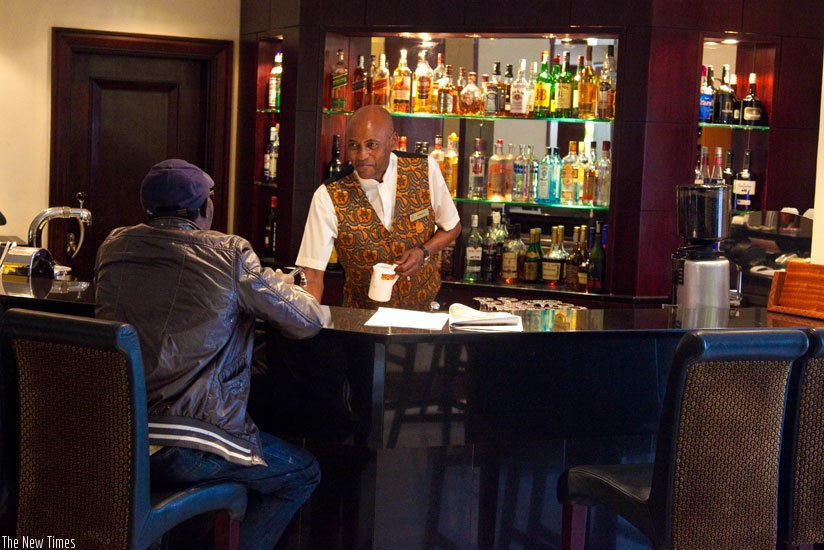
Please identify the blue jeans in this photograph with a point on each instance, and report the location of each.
(276, 491)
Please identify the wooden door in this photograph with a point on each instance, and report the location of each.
(120, 104)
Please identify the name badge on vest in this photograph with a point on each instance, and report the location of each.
(415, 216)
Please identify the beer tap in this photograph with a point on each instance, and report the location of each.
(82, 215)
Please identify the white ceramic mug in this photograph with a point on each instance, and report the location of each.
(383, 279)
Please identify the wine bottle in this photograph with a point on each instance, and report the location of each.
(270, 229)
(729, 171)
(274, 81)
(752, 110)
(334, 165)
(270, 155)
(596, 273)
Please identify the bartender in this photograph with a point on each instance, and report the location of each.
(386, 206)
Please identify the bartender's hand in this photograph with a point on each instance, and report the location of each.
(285, 277)
(410, 263)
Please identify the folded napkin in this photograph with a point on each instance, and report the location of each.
(465, 318)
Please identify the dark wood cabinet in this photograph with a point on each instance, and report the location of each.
(658, 78)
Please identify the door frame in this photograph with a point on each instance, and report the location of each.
(66, 42)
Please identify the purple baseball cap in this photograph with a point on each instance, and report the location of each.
(175, 187)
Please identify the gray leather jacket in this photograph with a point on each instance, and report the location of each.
(193, 297)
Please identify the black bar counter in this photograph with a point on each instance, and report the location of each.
(455, 439)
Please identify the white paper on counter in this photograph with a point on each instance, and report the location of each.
(405, 318)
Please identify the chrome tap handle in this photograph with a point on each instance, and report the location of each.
(81, 197)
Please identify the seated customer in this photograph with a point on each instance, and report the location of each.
(193, 296)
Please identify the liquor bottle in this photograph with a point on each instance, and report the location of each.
(705, 95)
(605, 103)
(563, 90)
(381, 84)
(573, 261)
(340, 83)
(569, 175)
(532, 174)
(473, 253)
(544, 167)
(729, 170)
(555, 179)
(736, 103)
(401, 99)
(448, 261)
(270, 229)
(587, 88)
(270, 155)
(470, 98)
(489, 250)
(509, 172)
(422, 84)
(724, 100)
(530, 89)
(576, 79)
(359, 76)
(495, 172)
(586, 235)
(552, 267)
(334, 165)
(513, 254)
(604, 176)
(275, 76)
(596, 273)
(699, 175)
(743, 187)
(705, 164)
(477, 172)
(717, 174)
(370, 78)
(553, 82)
(447, 94)
(533, 258)
(752, 110)
(520, 177)
(543, 88)
(589, 177)
(450, 164)
(519, 96)
(401, 143)
(508, 80)
(438, 154)
(495, 92)
(461, 82)
(438, 79)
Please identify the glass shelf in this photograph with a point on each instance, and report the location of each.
(523, 206)
(481, 117)
(733, 126)
(270, 185)
(267, 110)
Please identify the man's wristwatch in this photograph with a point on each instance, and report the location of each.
(426, 254)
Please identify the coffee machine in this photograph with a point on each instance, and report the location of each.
(701, 273)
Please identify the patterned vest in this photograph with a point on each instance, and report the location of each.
(363, 241)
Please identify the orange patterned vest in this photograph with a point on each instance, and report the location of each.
(363, 241)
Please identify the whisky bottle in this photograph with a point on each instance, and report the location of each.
(448, 261)
(743, 187)
(583, 267)
(752, 110)
(563, 90)
(569, 175)
(596, 273)
(370, 78)
(340, 84)
(589, 177)
(402, 87)
(530, 89)
(447, 93)
(381, 84)
(270, 229)
(534, 257)
(508, 80)
(450, 164)
(275, 76)
(552, 267)
(519, 94)
(495, 171)
(438, 79)
(422, 84)
(543, 88)
(473, 253)
(577, 78)
(553, 82)
(489, 268)
(574, 261)
(495, 92)
(470, 98)
(334, 165)
(604, 176)
(438, 154)
(587, 88)
(359, 76)
(477, 172)
(401, 143)
(513, 253)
